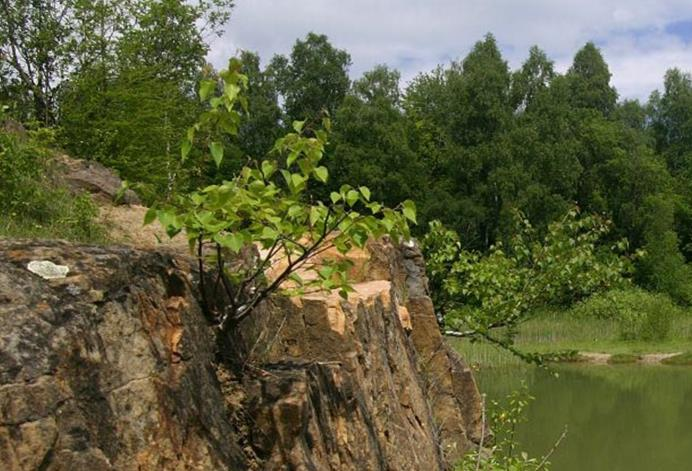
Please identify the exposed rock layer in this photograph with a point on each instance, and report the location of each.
(114, 367)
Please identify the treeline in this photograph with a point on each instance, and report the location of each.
(471, 142)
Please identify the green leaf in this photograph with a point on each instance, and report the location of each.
(352, 197)
(298, 126)
(269, 233)
(268, 168)
(297, 180)
(374, 207)
(231, 91)
(233, 241)
(322, 174)
(150, 216)
(365, 191)
(335, 197)
(314, 215)
(205, 88)
(216, 149)
(409, 210)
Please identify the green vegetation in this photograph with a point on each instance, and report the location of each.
(550, 331)
(503, 452)
(479, 295)
(683, 359)
(31, 203)
(639, 314)
(258, 208)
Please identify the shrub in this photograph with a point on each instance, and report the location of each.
(32, 204)
(478, 293)
(641, 315)
(267, 206)
(503, 453)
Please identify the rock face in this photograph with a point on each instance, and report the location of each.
(108, 368)
(407, 401)
(114, 367)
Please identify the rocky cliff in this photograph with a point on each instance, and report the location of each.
(114, 367)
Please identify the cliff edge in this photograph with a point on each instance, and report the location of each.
(114, 367)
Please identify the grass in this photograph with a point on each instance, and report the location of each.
(554, 331)
(684, 359)
(623, 358)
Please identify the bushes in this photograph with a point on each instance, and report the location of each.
(32, 204)
(640, 315)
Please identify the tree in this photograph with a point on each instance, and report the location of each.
(480, 92)
(261, 128)
(44, 42)
(127, 109)
(313, 79)
(589, 79)
(266, 206)
(533, 78)
(36, 44)
(487, 296)
(370, 141)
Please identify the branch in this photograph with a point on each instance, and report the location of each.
(544, 461)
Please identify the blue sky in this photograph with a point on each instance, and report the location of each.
(640, 39)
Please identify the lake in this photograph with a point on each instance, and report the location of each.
(619, 418)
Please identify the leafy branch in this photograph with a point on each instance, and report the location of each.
(260, 233)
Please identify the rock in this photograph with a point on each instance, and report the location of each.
(414, 392)
(119, 376)
(114, 367)
(47, 269)
(90, 176)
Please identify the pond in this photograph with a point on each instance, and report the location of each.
(619, 418)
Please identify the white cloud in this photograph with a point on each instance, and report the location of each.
(416, 35)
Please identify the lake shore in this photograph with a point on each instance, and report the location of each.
(565, 339)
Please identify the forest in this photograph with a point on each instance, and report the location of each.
(554, 215)
(477, 146)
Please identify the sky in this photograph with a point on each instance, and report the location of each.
(640, 39)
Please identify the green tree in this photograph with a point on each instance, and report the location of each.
(314, 78)
(370, 141)
(260, 129)
(589, 80)
(128, 108)
(534, 77)
(265, 206)
(486, 296)
(36, 48)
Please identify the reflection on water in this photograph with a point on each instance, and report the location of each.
(620, 418)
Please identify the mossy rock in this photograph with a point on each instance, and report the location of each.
(683, 359)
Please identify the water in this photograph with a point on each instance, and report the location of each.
(619, 418)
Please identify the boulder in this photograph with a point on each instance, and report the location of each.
(94, 178)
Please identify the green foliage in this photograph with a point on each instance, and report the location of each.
(263, 216)
(589, 79)
(641, 315)
(503, 454)
(476, 293)
(313, 79)
(683, 359)
(44, 42)
(31, 203)
(370, 142)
